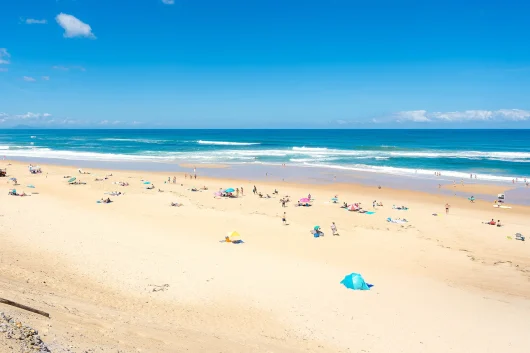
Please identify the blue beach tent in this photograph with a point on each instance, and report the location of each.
(355, 281)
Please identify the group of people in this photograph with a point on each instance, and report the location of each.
(493, 223)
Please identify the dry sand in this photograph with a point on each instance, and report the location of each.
(441, 283)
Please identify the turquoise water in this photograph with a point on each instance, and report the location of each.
(495, 155)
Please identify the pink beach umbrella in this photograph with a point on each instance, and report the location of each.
(305, 199)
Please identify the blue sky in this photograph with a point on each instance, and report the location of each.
(250, 63)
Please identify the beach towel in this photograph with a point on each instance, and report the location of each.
(369, 212)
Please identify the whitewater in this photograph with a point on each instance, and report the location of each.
(496, 155)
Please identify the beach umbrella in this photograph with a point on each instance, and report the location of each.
(147, 182)
(233, 234)
(305, 199)
(316, 227)
(229, 190)
(218, 193)
(334, 199)
(71, 180)
(355, 281)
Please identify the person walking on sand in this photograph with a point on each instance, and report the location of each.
(334, 229)
(174, 179)
(447, 208)
(242, 192)
(284, 219)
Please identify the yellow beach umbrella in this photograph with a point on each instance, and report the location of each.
(233, 234)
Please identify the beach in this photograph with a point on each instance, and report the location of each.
(138, 275)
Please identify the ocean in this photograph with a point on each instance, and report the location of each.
(493, 155)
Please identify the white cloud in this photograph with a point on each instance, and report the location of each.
(66, 68)
(46, 78)
(74, 27)
(514, 114)
(413, 115)
(168, 2)
(28, 79)
(423, 116)
(32, 21)
(4, 56)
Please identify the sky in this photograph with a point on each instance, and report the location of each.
(264, 64)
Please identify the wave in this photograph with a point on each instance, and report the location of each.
(310, 149)
(227, 143)
(133, 140)
(409, 171)
(302, 156)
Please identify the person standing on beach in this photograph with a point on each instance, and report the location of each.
(174, 179)
(447, 208)
(334, 229)
(284, 219)
(242, 194)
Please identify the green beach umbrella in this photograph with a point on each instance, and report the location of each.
(71, 180)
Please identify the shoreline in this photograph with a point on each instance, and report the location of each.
(279, 290)
(517, 194)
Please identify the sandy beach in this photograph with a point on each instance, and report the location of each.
(138, 275)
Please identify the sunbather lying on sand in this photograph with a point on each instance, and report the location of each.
(176, 204)
(396, 220)
(402, 208)
(107, 200)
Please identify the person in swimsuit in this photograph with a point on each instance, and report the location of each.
(447, 208)
(284, 219)
(334, 229)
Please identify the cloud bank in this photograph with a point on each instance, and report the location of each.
(501, 115)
